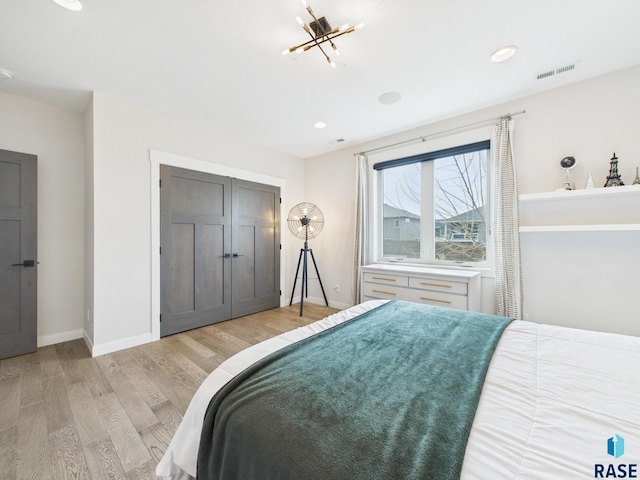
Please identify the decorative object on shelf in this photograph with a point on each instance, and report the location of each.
(636, 181)
(305, 221)
(613, 179)
(568, 163)
(320, 32)
(590, 182)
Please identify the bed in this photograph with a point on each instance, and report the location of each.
(553, 402)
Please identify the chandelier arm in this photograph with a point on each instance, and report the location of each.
(326, 38)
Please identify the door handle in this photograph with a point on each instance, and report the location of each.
(26, 263)
(227, 255)
(235, 255)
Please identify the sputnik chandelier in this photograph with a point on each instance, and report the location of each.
(320, 32)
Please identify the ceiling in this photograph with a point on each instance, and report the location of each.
(220, 63)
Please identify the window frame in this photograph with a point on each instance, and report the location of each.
(377, 225)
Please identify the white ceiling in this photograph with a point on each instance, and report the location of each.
(220, 63)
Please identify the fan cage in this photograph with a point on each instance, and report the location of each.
(305, 221)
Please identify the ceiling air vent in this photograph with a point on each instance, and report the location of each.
(557, 71)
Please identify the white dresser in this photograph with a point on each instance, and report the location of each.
(435, 286)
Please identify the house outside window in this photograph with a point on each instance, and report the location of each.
(434, 206)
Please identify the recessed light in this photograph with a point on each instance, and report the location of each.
(73, 5)
(389, 98)
(319, 124)
(504, 53)
(5, 74)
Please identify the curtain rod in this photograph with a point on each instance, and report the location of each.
(423, 138)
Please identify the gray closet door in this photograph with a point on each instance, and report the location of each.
(220, 248)
(195, 235)
(18, 253)
(256, 248)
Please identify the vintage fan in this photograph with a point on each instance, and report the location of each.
(305, 221)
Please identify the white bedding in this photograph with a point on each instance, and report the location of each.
(552, 398)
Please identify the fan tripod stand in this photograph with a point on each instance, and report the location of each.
(305, 278)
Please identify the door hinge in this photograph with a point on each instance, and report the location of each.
(280, 292)
(160, 183)
(280, 199)
(160, 317)
(160, 250)
(280, 246)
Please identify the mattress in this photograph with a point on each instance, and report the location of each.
(557, 403)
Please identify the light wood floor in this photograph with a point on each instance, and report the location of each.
(65, 415)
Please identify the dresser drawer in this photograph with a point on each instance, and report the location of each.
(453, 288)
(438, 285)
(437, 298)
(384, 291)
(386, 279)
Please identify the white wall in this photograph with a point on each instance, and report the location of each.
(589, 120)
(123, 135)
(56, 136)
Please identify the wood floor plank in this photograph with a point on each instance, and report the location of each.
(143, 384)
(146, 471)
(98, 384)
(169, 416)
(157, 439)
(222, 342)
(103, 460)
(137, 409)
(9, 450)
(9, 402)
(207, 364)
(34, 454)
(67, 454)
(129, 447)
(31, 388)
(10, 368)
(49, 363)
(56, 403)
(9, 415)
(68, 355)
(175, 363)
(90, 426)
(173, 389)
(197, 347)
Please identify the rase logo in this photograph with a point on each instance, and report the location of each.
(615, 448)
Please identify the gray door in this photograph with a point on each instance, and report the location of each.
(220, 248)
(18, 253)
(256, 248)
(195, 239)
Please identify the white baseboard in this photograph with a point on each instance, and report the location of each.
(320, 301)
(110, 347)
(46, 340)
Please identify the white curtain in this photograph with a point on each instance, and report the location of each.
(361, 254)
(506, 223)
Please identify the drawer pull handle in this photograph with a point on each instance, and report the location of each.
(385, 279)
(441, 285)
(435, 300)
(383, 292)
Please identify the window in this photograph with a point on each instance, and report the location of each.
(442, 197)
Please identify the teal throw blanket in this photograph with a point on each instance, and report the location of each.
(388, 395)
